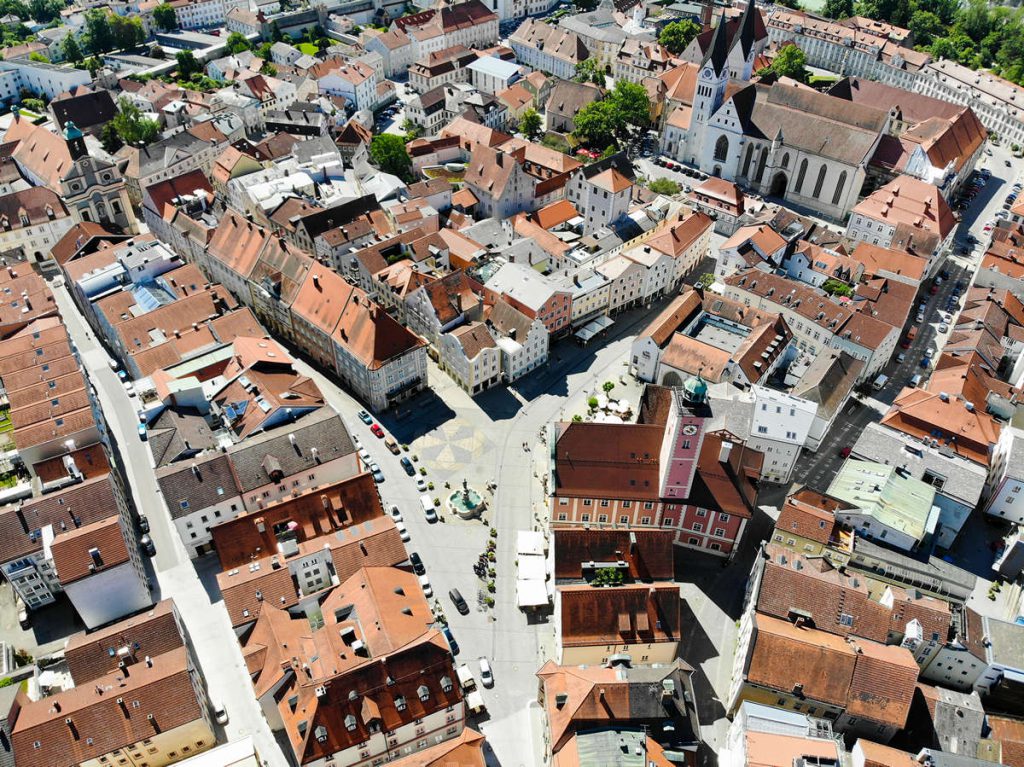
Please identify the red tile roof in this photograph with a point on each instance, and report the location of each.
(71, 550)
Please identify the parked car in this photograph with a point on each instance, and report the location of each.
(220, 714)
(377, 431)
(452, 644)
(428, 590)
(421, 484)
(143, 523)
(845, 452)
(458, 601)
(392, 445)
(407, 465)
(378, 475)
(402, 532)
(486, 677)
(143, 433)
(417, 563)
(901, 357)
(147, 545)
(365, 417)
(396, 514)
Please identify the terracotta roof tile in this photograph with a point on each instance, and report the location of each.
(71, 551)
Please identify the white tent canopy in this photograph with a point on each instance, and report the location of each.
(530, 542)
(531, 592)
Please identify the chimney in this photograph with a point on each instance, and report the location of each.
(725, 452)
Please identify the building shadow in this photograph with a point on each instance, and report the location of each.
(498, 404)
(696, 646)
(416, 417)
(54, 622)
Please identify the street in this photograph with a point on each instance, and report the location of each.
(207, 625)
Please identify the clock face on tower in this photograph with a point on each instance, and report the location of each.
(707, 72)
(689, 429)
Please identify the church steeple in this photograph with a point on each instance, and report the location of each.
(75, 141)
(718, 51)
(747, 29)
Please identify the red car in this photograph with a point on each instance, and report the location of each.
(377, 431)
(845, 452)
(934, 289)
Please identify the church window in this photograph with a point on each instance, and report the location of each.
(721, 148)
(821, 180)
(761, 163)
(800, 175)
(839, 188)
(785, 160)
(747, 158)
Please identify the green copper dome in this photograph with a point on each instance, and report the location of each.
(695, 389)
(71, 131)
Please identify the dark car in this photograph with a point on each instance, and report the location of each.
(147, 545)
(143, 523)
(452, 644)
(458, 601)
(417, 564)
(925, 362)
(407, 465)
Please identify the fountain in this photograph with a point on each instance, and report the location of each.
(467, 503)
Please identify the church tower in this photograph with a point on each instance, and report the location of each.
(747, 40)
(711, 82)
(75, 141)
(684, 438)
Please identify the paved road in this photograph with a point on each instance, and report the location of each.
(457, 437)
(820, 467)
(207, 625)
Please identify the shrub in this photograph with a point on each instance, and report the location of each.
(489, 601)
(437, 501)
(577, 418)
(423, 471)
(592, 403)
(494, 532)
(430, 486)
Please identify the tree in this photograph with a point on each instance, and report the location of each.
(608, 386)
(263, 51)
(530, 124)
(388, 153)
(678, 34)
(276, 35)
(45, 11)
(268, 69)
(157, 52)
(131, 126)
(835, 287)
(790, 62)
(126, 32)
(188, 65)
(926, 26)
(34, 105)
(109, 139)
(98, 36)
(237, 43)
(664, 186)
(71, 50)
(37, 56)
(165, 17)
(605, 123)
(837, 9)
(589, 71)
(94, 65)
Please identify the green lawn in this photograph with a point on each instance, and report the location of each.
(308, 48)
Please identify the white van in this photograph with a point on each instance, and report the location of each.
(428, 508)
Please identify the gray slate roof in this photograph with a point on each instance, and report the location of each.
(209, 484)
(323, 430)
(964, 479)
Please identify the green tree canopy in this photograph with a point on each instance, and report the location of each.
(188, 65)
(237, 43)
(664, 186)
(530, 124)
(605, 123)
(71, 50)
(789, 62)
(99, 38)
(388, 153)
(45, 11)
(126, 32)
(589, 71)
(837, 9)
(129, 126)
(677, 35)
(165, 17)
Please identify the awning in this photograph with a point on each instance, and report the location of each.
(595, 326)
(531, 592)
(530, 542)
(532, 567)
